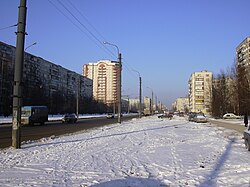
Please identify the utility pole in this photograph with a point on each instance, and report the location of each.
(119, 90)
(140, 94)
(17, 89)
(119, 87)
(77, 96)
(152, 102)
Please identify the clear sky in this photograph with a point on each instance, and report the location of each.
(165, 40)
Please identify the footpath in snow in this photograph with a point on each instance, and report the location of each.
(138, 153)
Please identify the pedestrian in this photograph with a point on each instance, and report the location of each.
(246, 120)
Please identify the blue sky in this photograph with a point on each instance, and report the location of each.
(165, 40)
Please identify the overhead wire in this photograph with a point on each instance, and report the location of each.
(93, 35)
(89, 33)
(8, 27)
(85, 18)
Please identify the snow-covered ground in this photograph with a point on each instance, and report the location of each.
(138, 153)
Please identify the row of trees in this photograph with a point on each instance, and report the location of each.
(231, 91)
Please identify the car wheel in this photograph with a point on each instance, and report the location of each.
(247, 145)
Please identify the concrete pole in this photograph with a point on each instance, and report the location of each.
(140, 95)
(18, 75)
(152, 102)
(77, 97)
(119, 87)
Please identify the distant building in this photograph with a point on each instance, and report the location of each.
(181, 104)
(134, 105)
(200, 92)
(44, 83)
(105, 76)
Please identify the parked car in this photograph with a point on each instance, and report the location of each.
(200, 118)
(110, 116)
(170, 116)
(69, 118)
(230, 116)
(191, 116)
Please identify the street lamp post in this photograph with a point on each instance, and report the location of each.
(77, 97)
(119, 81)
(30, 46)
(140, 93)
(152, 105)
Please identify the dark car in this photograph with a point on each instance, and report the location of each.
(69, 118)
(110, 116)
(170, 116)
(191, 116)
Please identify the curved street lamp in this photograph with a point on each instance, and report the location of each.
(140, 92)
(120, 79)
(152, 105)
(30, 46)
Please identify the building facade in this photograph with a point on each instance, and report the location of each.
(200, 92)
(44, 83)
(105, 76)
(243, 53)
(243, 75)
(181, 104)
(134, 105)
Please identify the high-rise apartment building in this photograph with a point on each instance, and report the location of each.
(105, 76)
(200, 92)
(243, 53)
(243, 75)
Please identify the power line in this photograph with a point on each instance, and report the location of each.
(8, 27)
(85, 33)
(100, 42)
(89, 34)
(84, 17)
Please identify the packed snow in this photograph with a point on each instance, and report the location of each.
(137, 153)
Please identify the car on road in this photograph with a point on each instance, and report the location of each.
(191, 116)
(169, 115)
(110, 116)
(230, 116)
(69, 118)
(200, 118)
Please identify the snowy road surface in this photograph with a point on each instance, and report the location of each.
(138, 153)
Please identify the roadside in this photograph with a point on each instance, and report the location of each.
(8, 120)
(237, 125)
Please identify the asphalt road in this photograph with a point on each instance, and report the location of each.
(54, 128)
(240, 127)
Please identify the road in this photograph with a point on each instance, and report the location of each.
(54, 128)
(239, 126)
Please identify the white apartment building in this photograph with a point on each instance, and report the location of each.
(134, 104)
(105, 76)
(181, 104)
(200, 92)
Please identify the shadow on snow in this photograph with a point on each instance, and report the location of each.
(131, 182)
(211, 179)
